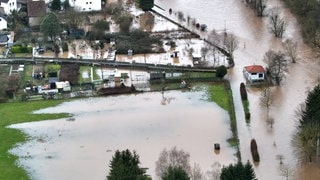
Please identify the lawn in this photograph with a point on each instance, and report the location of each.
(13, 113)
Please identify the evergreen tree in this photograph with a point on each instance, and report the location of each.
(175, 173)
(305, 140)
(125, 166)
(50, 26)
(221, 71)
(55, 5)
(66, 5)
(238, 172)
(146, 5)
(311, 113)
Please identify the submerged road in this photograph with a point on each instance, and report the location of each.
(105, 63)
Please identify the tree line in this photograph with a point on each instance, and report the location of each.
(306, 138)
(174, 164)
(308, 15)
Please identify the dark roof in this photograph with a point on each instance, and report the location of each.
(4, 1)
(3, 16)
(36, 8)
(3, 38)
(22, 1)
(254, 69)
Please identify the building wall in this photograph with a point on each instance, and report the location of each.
(3, 24)
(86, 5)
(10, 6)
(256, 76)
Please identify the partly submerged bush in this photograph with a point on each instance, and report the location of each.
(254, 151)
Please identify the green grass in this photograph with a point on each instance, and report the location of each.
(27, 73)
(221, 93)
(246, 109)
(13, 113)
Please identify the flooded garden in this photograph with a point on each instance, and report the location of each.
(81, 147)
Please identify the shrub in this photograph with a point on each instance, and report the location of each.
(221, 71)
(65, 46)
(243, 92)
(254, 151)
(21, 49)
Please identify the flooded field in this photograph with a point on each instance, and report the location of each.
(255, 39)
(81, 148)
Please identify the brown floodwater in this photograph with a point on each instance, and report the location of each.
(254, 40)
(81, 148)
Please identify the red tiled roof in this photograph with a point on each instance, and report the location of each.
(254, 69)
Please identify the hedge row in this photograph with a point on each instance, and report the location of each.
(21, 49)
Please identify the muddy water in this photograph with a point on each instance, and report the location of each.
(254, 40)
(81, 148)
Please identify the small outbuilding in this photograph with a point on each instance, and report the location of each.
(254, 73)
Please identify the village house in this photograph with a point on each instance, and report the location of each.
(3, 22)
(86, 5)
(36, 12)
(254, 73)
(7, 6)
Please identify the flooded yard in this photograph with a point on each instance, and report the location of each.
(81, 148)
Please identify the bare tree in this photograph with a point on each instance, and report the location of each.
(231, 43)
(215, 38)
(196, 173)
(286, 171)
(277, 24)
(215, 172)
(290, 48)
(259, 6)
(204, 52)
(304, 142)
(173, 158)
(277, 65)
(74, 19)
(266, 100)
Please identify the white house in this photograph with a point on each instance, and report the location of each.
(254, 73)
(8, 5)
(86, 5)
(3, 22)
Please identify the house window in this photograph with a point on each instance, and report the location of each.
(260, 75)
(90, 2)
(253, 73)
(86, 2)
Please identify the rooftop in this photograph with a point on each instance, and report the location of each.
(254, 69)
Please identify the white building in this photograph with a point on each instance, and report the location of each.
(8, 5)
(86, 5)
(254, 73)
(3, 22)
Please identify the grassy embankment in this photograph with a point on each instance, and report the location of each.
(13, 113)
(221, 93)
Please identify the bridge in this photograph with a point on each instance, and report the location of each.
(107, 64)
